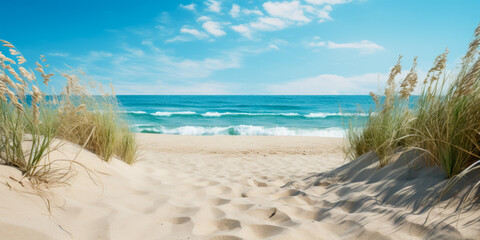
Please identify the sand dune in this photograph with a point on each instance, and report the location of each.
(232, 187)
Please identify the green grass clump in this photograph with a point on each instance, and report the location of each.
(386, 129)
(31, 122)
(444, 122)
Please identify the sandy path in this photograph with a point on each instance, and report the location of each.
(225, 187)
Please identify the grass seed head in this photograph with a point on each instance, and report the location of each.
(14, 99)
(36, 97)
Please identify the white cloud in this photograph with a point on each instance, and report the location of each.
(287, 10)
(150, 44)
(190, 6)
(316, 44)
(178, 39)
(203, 19)
(214, 28)
(324, 13)
(135, 51)
(213, 5)
(273, 46)
(243, 30)
(268, 24)
(364, 45)
(194, 32)
(58, 54)
(331, 2)
(98, 55)
(255, 11)
(235, 12)
(329, 84)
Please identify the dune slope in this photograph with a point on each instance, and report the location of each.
(232, 187)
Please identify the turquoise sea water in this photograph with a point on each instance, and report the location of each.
(325, 116)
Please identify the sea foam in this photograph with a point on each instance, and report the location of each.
(168, 114)
(244, 130)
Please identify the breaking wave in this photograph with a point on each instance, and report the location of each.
(242, 130)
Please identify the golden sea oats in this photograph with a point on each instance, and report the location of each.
(20, 90)
(36, 97)
(15, 74)
(73, 84)
(26, 74)
(14, 52)
(7, 80)
(477, 31)
(46, 78)
(113, 89)
(81, 107)
(472, 50)
(410, 81)
(437, 69)
(375, 98)
(397, 69)
(467, 83)
(3, 91)
(14, 100)
(21, 60)
(39, 68)
(7, 44)
(6, 59)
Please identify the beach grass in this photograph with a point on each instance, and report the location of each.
(444, 121)
(31, 121)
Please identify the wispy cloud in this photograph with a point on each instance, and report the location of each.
(272, 16)
(178, 39)
(203, 19)
(235, 11)
(293, 11)
(273, 46)
(194, 32)
(190, 6)
(254, 11)
(363, 46)
(58, 54)
(213, 28)
(213, 5)
(330, 2)
(268, 24)
(243, 30)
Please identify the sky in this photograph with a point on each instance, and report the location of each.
(274, 47)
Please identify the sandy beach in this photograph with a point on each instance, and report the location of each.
(235, 187)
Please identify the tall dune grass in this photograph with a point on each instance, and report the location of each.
(444, 122)
(30, 120)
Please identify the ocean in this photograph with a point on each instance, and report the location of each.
(323, 116)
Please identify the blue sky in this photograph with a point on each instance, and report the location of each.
(239, 47)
